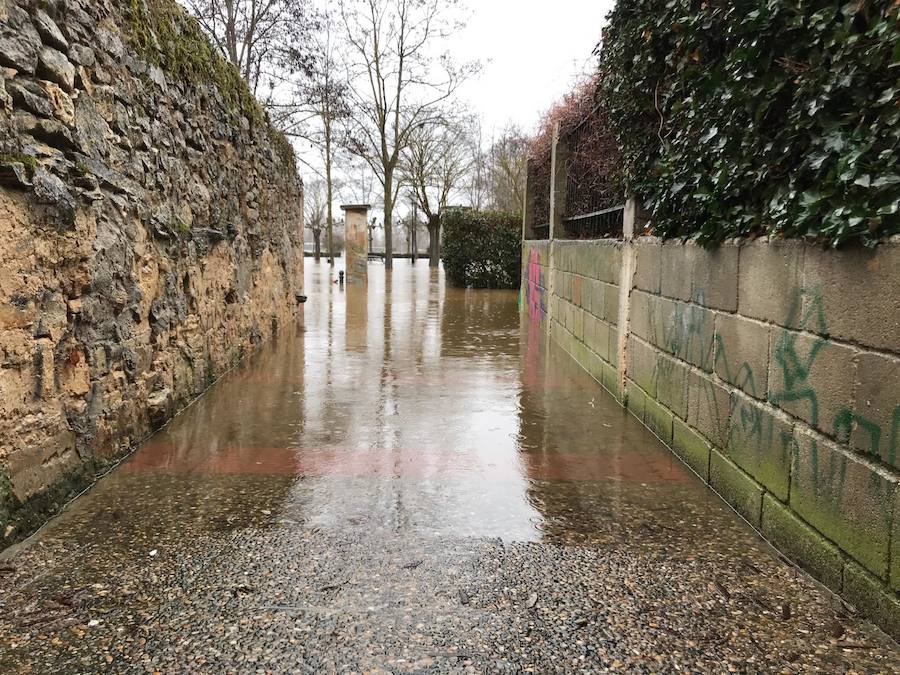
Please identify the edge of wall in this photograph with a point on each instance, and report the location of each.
(679, 305)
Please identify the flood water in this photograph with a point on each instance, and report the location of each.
(408, 406)
(410, 481)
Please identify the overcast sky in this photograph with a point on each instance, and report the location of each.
(531, 51)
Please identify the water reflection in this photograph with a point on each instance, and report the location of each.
(404, 406)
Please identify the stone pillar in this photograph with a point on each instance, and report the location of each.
(357, 250)
(559, 157)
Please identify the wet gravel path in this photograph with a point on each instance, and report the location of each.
(287, 599)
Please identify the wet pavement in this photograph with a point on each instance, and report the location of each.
(415, 483)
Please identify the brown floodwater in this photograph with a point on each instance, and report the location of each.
(410, 406)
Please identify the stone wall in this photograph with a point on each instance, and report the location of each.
(150, 237)
(771, 368)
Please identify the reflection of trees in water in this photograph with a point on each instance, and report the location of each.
(479, 323)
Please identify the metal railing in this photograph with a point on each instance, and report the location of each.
(602, 224)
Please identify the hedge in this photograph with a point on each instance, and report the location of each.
(482, 249)
(758, 116)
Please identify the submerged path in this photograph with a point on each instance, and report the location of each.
(413, 484)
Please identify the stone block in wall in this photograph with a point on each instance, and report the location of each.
(636, 399)
(736, 487)
(611, 304)
(714, 276)
(709, 408)
(600, 340)
(770, 281)
(811, 378)
(614, 351)
(597, 295)
(742, 353)
(643, 318)
(578, 323)
(647, 266)
(847, 500)
(691, 447)
(761, 442)
(642, 361)
(874, 423)
(676, 263)
(856, 293)
(872, 598)
(607, 259)
(690, 334)
(672, 385)
(801, 543)
(659, 419)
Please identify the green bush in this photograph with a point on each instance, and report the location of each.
(482, 249)
(759, 116)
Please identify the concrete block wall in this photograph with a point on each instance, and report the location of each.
(772, 368)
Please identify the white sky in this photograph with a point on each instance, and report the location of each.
(531, 51)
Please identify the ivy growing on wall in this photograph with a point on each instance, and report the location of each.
(740, 117)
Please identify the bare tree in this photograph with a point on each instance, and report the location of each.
(315, 213)
(320, 109)
(506, 163)
(260, 37)
(435, 162)
(400, 85)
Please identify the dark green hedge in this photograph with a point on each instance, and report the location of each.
(482, 249)
(739, 117)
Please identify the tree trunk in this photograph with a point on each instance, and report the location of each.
(434, 244)
(415, 232)
(329, 193)
(317, 249)
(388, 219)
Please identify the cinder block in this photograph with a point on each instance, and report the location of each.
(848, 501)
(855, 291)
(802, 544)
(771, 274)
(600, 343)
(578, 324)
(598, 297)
(870, 596)
(709, 408)
(642, 360)
(811, 378)
(761, 443)
(659, 419)
(691, 447)
(611, 304)
(675, 258)
(635, 399)
(611, 381)
(736, 487)
(614, 352)
(714, 275)
(684, 330)
(742, 353)
(647, 269)
(672, 385)
(643, 319)
(875, 422)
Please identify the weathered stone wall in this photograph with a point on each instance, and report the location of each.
(772, 368)
(150, 237)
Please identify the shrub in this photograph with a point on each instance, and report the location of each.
(482, 249)
(754, 116)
